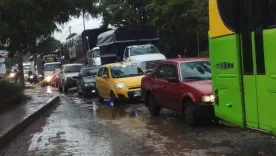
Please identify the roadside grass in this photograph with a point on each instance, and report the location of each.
(10, 94)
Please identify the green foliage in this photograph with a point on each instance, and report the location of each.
(178, 21)
(25, 22)
(7, 88)
(123, 12)
(48, 45)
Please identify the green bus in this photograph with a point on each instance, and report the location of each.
(242, 41)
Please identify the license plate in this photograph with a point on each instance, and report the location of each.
(137, 93)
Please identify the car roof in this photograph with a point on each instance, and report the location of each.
(183, 60)
(74, 64)
(90, 67)
(52, 63)
(117, 64)
(137, 46)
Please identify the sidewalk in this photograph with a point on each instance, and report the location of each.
(11, 119)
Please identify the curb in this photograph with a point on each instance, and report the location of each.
(19, 126)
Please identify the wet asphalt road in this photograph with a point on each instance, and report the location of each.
(84, 127)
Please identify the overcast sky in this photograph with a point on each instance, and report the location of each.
(77, 27)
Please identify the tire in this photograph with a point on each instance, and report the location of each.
(60, 89)
(153, 107)
(190, 113)
(65, 88)
(113, 99)
(99, 96)
(79, 93)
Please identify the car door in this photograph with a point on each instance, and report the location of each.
(99, 81)
(173, 88)
(106, 82)
(158, 84)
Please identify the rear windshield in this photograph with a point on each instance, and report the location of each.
(72, 69)
(52, 67)
(126, 71)
(143, 49)
(88, 72)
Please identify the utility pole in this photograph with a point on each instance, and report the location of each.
(198, 49)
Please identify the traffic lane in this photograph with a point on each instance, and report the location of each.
(84, 127)
(168, 134)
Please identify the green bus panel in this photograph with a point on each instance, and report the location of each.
(266, 84)
(226, 76)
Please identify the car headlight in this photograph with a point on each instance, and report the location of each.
(12, 75)
(31, 77)
(48, 78)
(40, 76)
(120, 85)
(89, 84)
(208, 98)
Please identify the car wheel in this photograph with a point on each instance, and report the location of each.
(113, 99)
(190, 113)
(60, 89)
(79, 92)
(99, 96)
(65, 88)
(154, 109)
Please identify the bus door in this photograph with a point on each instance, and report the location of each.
(224, 44)
(258, 39)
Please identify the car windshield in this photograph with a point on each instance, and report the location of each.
(96, 53)
(52, 67)
(143, 49)
(126, 71)
(200, 70)
(88, 72)
(72, 69)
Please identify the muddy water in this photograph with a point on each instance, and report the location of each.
(80, 126)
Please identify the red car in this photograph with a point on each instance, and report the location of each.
(182, 85)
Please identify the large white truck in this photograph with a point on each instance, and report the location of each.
(146, 56)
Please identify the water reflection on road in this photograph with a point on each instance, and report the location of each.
(80, 126)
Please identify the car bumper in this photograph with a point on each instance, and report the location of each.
(128, 94)
(205, 111)
(70, 84)
(89, 90)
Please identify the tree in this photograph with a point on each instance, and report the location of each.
(179, 21)
(23, 23)
(123, 12)
(48, 45)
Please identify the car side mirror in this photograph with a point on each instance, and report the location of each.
(104, 76)
(173, 80)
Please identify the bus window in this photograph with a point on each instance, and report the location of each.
(229, 12)
(269, 13)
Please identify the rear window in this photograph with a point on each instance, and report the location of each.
(72, 69)
(52, 67)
